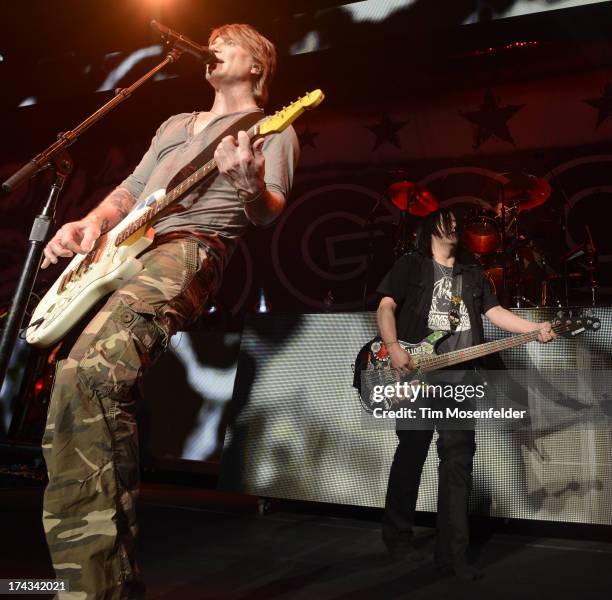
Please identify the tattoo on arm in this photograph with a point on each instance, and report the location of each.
(123, 201)
(114, 208)
(116, 202)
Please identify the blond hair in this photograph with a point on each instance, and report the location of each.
(261, 49)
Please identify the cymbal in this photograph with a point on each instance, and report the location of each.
(525, 191)
(413, 198)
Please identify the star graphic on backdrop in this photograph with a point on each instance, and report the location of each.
(491, 120)
(307, 137)
(386, 131)
(603, 104)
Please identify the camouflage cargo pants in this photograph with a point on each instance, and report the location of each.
(90, 443)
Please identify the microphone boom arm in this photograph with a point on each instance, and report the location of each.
(54, 157)
(174, 39)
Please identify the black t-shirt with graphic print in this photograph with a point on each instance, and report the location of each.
(437, 319)
(410, 283)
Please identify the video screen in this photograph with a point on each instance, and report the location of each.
(412, 16)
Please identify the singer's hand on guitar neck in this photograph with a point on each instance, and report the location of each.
(242, 166)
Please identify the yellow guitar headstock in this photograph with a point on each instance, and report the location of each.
(284, 117)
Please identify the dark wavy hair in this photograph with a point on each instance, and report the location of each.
(436, 223)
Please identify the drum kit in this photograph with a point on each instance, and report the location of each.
(503, 242)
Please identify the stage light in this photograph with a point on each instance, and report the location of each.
(262, 305)
(30, 101)
(127, 64)
(38, 387)
(309, 43)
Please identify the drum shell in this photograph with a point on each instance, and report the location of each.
(481, 235)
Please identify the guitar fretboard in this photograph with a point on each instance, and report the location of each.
(439, 361)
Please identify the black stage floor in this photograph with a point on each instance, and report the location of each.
(203, 544)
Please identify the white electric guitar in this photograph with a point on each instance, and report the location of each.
(113, 260)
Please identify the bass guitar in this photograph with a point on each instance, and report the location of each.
(374, 356)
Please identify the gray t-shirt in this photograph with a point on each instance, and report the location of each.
(211, 212)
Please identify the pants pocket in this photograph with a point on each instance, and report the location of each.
(130, 340)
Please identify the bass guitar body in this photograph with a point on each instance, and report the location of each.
(379, 358)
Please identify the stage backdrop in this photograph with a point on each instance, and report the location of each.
(300, 433)
(455, 126)
(455, 110)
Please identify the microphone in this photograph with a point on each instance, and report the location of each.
(185, 44)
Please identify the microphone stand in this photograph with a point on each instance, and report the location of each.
(55, 157)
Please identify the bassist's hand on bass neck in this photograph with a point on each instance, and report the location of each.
(546, 333)
(511, 322)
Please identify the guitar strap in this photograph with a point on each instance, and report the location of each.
(242, 124)
(454, 314)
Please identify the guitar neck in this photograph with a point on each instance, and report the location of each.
(173, 195)
(274, 124)
(439, 361)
